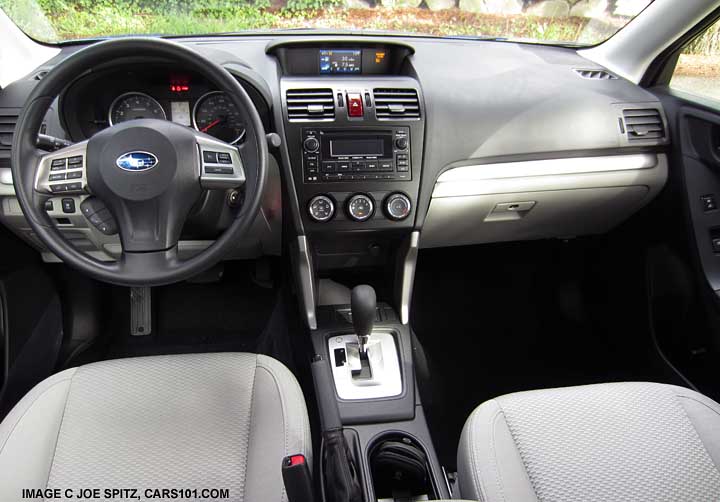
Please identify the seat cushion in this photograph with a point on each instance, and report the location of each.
(193, 421)
(618, 441)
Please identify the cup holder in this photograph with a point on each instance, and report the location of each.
(400, 469)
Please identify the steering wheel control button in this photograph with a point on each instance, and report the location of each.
(73, 175)
(58, 164)
(98, 215)
(311, 144)
(224, 158)
(360, 207)
(321, 208)
(210, 157)
(355, 104)
(398, 206)
(218, 170)
(57, 177)
(68, 206)
(76, 161)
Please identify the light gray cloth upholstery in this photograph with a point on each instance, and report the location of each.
(196, 421)
(619, 441)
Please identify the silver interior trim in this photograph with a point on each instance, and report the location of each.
(555, 198)
(407, 278)
(304, 273)
(386, 380)
(542, 174)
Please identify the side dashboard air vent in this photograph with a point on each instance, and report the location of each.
(595, 74)
(8, 119)
(40, 75)
(310, 104)
(391, 104)
(643, 124)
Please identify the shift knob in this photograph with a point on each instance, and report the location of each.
(363, 303)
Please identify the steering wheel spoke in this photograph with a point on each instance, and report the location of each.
(221, 165)
(63, 172)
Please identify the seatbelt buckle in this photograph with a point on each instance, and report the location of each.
(297, 480)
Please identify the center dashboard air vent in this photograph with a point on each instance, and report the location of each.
(393, 104)
(643, 124)
(305, 105)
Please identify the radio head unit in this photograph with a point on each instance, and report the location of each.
(356, 155)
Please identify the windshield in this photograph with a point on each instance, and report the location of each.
(583, 22)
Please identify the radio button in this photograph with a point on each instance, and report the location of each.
(311, 164)
(328, 167)
(343, 166)
(386, 166)
(371, 166)
(357, 166)
(401, 143)
(311, 144)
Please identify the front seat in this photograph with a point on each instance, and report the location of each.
(607, 442)
(196, 421)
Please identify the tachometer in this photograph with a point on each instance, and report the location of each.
(215, 114)
(134, 105)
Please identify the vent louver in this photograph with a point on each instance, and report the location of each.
(8, 119)
(392, 104)
(310, 105)
(643, 124)
(595, 74)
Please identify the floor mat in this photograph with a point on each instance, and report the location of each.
(230, 315)
(510, 317)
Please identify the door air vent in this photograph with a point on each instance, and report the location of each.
(392, 104)
(595, 74)
(643, 124)
(8, 119)
(305, 105)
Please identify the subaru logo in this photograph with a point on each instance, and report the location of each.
(136, 161)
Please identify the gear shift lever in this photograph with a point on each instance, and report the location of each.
(363, 303)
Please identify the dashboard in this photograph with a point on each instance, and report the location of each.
(383, 137)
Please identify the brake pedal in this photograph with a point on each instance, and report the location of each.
(141, 311)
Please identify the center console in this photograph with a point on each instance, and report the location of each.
(354, 123)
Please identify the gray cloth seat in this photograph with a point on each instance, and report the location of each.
(619, 441)
(196, 421)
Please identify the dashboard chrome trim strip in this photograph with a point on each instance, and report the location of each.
(473, 179)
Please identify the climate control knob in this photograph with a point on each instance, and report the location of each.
(311, 144)
(360, 207)
(321, 208)
(397, 206)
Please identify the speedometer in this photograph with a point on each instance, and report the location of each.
(215, 114)
(134, 105)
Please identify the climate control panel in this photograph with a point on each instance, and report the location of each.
(359, 207)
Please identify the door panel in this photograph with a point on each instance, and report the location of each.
(695, 130)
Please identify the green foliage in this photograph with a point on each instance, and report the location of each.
(707, 44)
(310, 5)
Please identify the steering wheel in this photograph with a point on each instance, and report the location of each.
(148, 172)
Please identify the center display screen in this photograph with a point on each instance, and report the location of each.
(356, 147)
(340, 61)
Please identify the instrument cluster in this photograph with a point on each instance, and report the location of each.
(123, 94)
